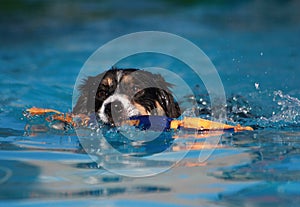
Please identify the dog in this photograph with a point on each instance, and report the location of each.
(118, 94)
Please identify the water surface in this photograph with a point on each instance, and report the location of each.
(254, 46)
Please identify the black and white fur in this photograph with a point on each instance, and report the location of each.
(118, 94)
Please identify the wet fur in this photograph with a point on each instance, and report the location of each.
(149, 93)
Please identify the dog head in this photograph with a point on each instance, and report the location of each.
(118, 94)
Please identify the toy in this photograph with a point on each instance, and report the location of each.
(161, 123)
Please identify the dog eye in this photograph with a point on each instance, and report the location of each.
(135, 88)
(102, 93)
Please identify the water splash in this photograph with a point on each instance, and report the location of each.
(265, 109)
(259, 109)
(289, 108)
(262, 109)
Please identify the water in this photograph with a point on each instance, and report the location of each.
(254, 46)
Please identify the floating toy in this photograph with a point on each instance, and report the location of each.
(161, 123)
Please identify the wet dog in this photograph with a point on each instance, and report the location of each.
(118, 94)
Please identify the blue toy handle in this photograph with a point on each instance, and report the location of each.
(156, 123)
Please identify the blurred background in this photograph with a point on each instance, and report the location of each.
(43, 44)
(254, 45)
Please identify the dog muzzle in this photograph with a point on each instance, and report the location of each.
(128, 109)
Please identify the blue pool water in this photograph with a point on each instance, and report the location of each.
(254, 46)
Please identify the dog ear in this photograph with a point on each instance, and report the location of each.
(165, 97)
(86, 101)
(90, 99)
(167, 102)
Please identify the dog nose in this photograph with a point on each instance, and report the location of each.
(115, 111)
(117, 107)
